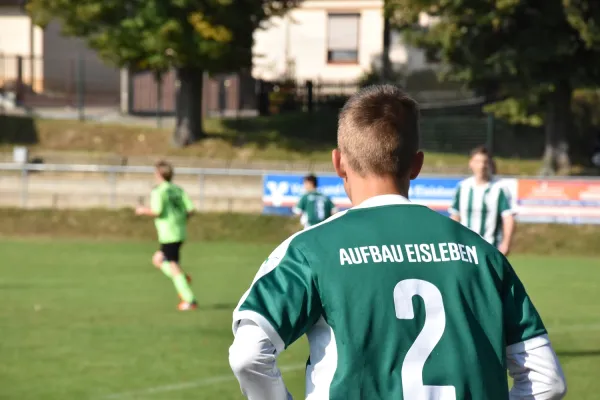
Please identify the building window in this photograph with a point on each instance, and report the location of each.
(342, 38)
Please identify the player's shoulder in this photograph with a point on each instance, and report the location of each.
(470, 181)
(299, 239)
(499, 185)
(158, 188)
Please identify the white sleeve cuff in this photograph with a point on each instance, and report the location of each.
(536, 373)
(263, 323)
(510, 211)
(527, 345)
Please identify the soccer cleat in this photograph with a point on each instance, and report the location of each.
(185, 306)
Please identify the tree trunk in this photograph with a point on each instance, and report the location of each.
(386, 63)
(557, 127)
(188, 106)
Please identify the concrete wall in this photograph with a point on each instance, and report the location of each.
(89, 190)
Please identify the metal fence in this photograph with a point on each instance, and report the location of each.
(72, 81)
(107, 186)
(102, 186)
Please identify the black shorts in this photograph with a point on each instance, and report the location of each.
(171, 251)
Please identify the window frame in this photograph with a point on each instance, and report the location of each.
(328, 59)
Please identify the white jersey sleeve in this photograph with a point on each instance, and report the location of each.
(536, 372)
(252, 358)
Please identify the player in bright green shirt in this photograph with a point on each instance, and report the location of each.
(171, 208)
(397, 301)
(313, 207)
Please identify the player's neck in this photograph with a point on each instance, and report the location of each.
(366, 188)
(482, 180)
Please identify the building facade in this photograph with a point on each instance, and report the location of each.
(328, 40)
(49, 59)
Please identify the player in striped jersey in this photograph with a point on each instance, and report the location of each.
(482, 205)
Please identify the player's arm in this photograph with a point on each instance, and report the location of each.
(156, 206)
(188, 204)
(508, 222)
(531, 360)
(454, 209)
(280, 306)
(332, 206)
(300, 207)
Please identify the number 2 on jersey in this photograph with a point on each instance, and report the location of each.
(433, 329)
(320, 209)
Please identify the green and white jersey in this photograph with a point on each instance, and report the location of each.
(481, 208)
(398, 302)
(314, 207)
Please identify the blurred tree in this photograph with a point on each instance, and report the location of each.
(191, 36)
(527, 55)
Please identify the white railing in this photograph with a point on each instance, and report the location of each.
(114, 186)
(80, 186)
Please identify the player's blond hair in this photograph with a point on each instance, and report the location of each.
(165, 170)
(378, 131)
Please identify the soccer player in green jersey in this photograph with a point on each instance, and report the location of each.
(313, 207)
(482, 205)
(171, 207)
(397, 301)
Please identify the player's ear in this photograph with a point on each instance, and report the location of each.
(416, 165)
(336, 159)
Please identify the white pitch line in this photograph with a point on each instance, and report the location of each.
(225, 378)
(188, 385)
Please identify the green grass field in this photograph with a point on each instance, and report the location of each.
(93, 320)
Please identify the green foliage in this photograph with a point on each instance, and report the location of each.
(521, 111)
(374, 76)
(510, 48)
(215, 35)
(586, 106)
(283, 97)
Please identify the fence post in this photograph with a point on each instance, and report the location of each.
(309, 95)
(201, 187)
(113, 189)
(262, 95)
(159, 100)
(24, 186)
(491, 130)
(125, 91)
(19, 89)
(80, 71)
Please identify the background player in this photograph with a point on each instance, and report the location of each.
(313, 207)
(397, 301)
(171, 207)
(481, 204)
